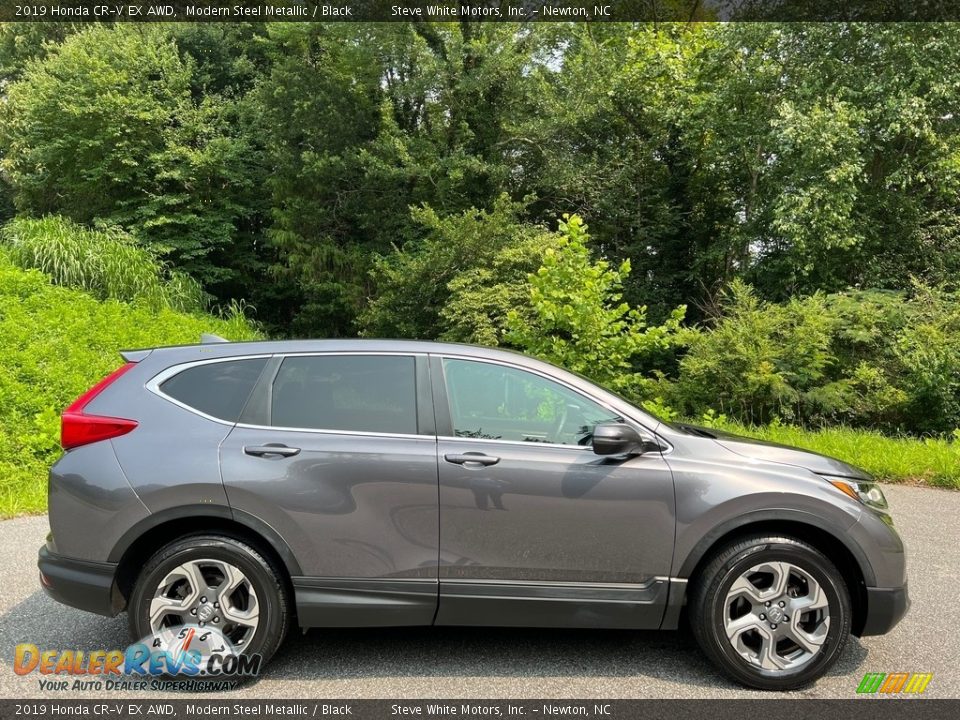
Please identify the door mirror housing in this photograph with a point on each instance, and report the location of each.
(612, 438)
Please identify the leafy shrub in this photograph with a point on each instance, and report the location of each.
(413, 284)
(926, 353)
(884, 360)
(108, 263)
(578, 319)
(55, 343)
(759, 360)
(482, 297)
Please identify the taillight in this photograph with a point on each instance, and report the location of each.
(78, 428)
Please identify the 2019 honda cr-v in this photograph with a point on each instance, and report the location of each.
(247, 487)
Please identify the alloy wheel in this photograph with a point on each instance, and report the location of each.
(776, 616)
(206, 593)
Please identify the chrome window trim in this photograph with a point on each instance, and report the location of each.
(324, 431)
(524, 443)
(154, 383)
(310, 353)
(633, 420)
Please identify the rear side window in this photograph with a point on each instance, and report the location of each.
(218, 389)
(355, 393)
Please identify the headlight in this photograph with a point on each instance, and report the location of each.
(869, 493)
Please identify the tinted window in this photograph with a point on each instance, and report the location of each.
(496, 402)
(219, 389)
(360, 393)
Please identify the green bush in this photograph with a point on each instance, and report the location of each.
(759, 360)
(482, 297)
(107, 263)
(55, 343)
(882, 360)
(413, 284)
(575, 316)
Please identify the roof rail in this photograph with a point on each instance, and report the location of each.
(210, 338)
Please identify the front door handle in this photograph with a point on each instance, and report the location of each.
(471, 458)
(271, 449)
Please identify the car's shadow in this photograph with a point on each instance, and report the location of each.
(339, 654)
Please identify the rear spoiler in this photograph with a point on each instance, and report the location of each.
(134, 356)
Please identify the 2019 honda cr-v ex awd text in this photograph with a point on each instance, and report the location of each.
(246, 487)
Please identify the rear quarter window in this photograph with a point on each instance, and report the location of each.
(218, 389)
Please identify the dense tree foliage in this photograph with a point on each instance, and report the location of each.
(409, 179)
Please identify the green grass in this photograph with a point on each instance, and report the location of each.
(109, 264)
(927, 461)
(55, 343)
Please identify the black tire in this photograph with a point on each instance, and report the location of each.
(707, 609)
(267, 580)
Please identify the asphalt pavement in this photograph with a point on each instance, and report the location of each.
(510, 663)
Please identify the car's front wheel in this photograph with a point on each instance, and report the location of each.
(772, 612)
(211, 583)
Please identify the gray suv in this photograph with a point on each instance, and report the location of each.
(246, 487)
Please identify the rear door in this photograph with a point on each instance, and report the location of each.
(337, 453)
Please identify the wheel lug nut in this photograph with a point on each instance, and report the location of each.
(201, 624)
(786, 618)
(216, 618)
(216, 605)
(203, 599)
(782, 603)
(773, 626)
(767, 603)
(762, 616)
(193, 611)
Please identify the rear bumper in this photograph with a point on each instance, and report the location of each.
(85, 585)
(885, 608)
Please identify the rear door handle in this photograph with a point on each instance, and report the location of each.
(471, 458)
(271, 449)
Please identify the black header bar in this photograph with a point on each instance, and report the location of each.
(517, 11)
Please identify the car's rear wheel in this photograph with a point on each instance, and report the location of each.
(772, 612)
(211, 583)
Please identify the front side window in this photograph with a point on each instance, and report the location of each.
(354, 393)
(218, 389)
(496, 402)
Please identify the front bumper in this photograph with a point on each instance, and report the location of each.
(885, 608)
(85, 585)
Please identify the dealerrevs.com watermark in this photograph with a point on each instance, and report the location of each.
(185, 658)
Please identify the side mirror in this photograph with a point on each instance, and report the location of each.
(612, 438)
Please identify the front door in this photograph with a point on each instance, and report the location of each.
(535, 529)
(341, 462)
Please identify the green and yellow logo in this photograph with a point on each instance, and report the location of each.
(892, 683)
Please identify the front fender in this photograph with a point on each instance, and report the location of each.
(688, 561)
(716, 498)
